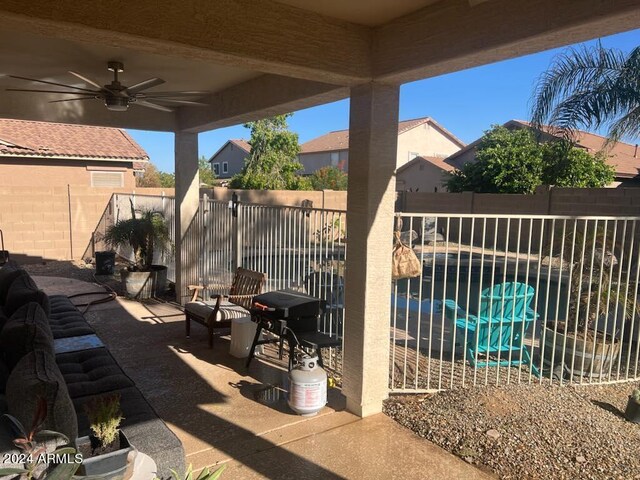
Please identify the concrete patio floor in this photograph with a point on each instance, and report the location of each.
(210, 400)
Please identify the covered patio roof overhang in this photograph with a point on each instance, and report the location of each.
(260, 58)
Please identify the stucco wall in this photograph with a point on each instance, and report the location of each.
(420, 177)
(234, 156)
(317, 160)
(425, 140)
(58, 173)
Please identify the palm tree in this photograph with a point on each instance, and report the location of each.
(589, 88)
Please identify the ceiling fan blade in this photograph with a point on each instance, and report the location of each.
(51, 83)
(92, 94)
(152, 82)
(72, 99)
(195, 93)
(144, 103)
(178, 102)
(88, 80)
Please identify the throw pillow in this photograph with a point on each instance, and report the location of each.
(22, 291)
(37, 376)
(27, 330)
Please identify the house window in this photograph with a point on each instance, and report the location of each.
(335, 159)
(216, 168)
(225, 167)
(413, 155)
(107, 179)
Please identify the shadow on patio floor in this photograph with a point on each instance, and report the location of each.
(214, 404)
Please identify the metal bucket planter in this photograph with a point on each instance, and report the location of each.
(116, 465)
(578, 350)
(143, 285)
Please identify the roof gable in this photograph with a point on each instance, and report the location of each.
(339, 139)
(438, 162)
(238, 142)
(22, 138)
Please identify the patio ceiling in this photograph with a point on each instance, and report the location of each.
(261, 58)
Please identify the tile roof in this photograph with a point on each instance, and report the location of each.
(339, 139)
(243, 144)
(622, 156)
(439, 162)
(23, 138)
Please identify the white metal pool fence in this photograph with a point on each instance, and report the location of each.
(501, 298)
(510, 299)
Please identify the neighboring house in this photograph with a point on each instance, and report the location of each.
(56, 154)
(417, 137)
(622, 156)
(229, 159)
(423, 174)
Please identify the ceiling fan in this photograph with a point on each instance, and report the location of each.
(116, 96)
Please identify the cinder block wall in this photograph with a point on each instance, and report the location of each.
(554, 201)
(54, 223)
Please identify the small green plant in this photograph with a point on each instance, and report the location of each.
(143, 232)
(104, 418)
(636, 395)
(205, 474)
(32, 444)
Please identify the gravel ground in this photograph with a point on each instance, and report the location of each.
(530, 431)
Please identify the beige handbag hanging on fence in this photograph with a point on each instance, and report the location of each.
(405, 263)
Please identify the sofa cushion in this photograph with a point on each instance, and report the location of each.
(3, 320)
(26, 330)
(37, 376)
(22, 291)
(8, 273)
(65, 319)
(91, 372)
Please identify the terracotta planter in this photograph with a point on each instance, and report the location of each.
(577, 351)
(116, 465)
(142, 285)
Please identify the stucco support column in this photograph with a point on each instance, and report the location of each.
(373, 137)
(187, 199)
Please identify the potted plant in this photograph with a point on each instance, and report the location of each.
(37, 447)
(145, 232)
(594, 293)
(632, 413)
(106, 451)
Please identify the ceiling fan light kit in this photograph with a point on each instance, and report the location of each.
(116, 96)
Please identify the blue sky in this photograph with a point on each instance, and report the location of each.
(466, 103)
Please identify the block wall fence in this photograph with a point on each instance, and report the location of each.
(58, 223)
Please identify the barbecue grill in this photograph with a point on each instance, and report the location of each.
(291, 316)
(287, 308)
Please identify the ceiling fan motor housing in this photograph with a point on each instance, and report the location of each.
(116, 104)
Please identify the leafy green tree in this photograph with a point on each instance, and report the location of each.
(207, 177)
(514, 162)
(329, 178)
(590, 88)
(273, 162)
(506, 162)
(167, 180)
(567, 166)
(150, 177)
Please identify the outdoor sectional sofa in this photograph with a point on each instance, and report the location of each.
(30, 324)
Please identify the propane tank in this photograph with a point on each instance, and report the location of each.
(307, 387)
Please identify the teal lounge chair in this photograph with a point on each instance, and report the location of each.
(498, 327)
